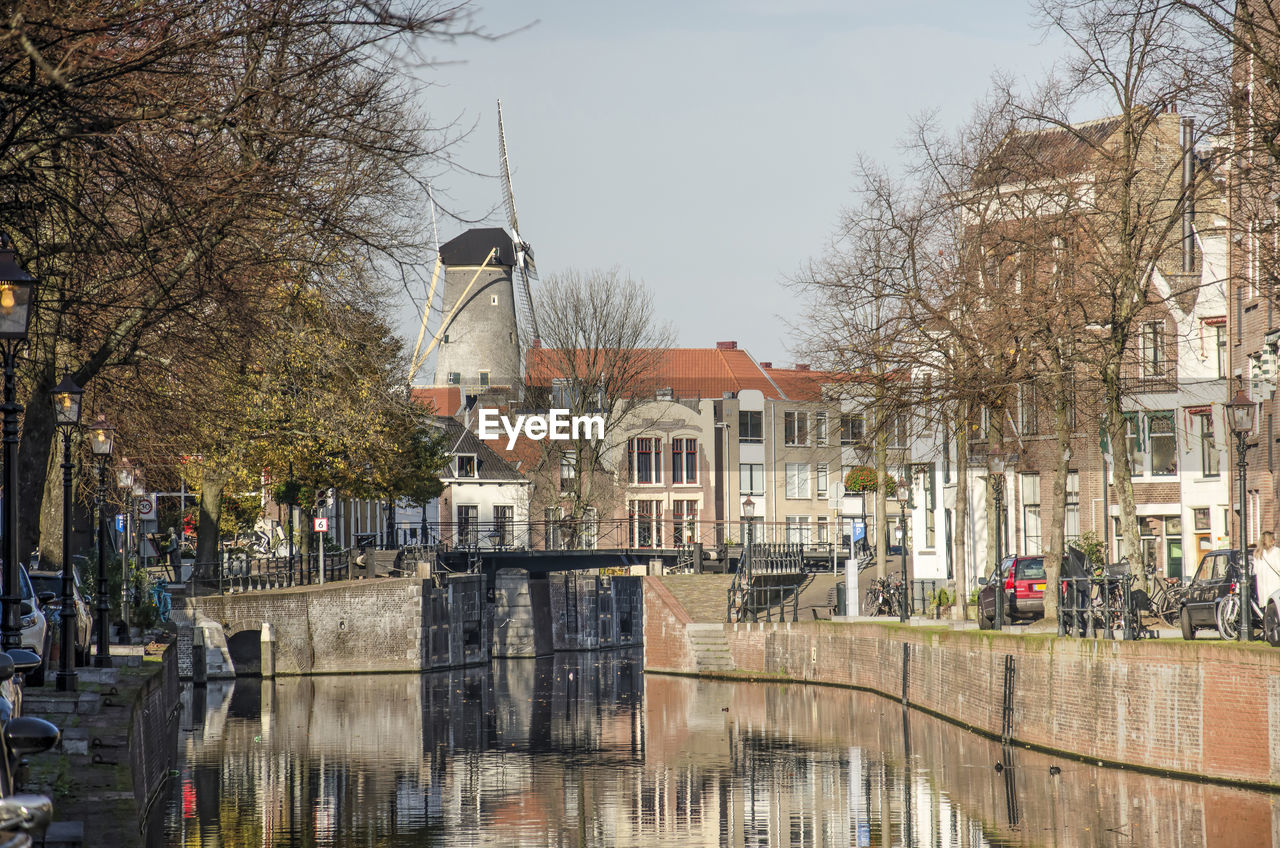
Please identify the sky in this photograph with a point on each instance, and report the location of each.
(705, 148)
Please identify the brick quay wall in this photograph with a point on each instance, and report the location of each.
(1203, 708)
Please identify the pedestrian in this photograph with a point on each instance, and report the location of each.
(1266, 568)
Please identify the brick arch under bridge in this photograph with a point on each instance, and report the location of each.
(351, 626)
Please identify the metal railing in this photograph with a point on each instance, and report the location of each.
(238, 572)
(1098, 605)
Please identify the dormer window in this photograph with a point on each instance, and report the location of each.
(464, 465)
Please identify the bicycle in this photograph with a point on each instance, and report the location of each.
(1164, 599)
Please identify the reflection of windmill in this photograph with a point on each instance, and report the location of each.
(486, 313)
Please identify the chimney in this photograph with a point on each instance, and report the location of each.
(766, 364)
(535, 344)
(726, 345)
(1188, 198)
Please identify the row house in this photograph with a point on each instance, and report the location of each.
(1175, 390)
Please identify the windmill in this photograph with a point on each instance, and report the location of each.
(525, 266)
(485, 300)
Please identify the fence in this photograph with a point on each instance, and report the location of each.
(243, 573)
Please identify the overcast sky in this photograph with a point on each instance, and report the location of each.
(705, 148)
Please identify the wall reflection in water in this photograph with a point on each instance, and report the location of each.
(583, 750)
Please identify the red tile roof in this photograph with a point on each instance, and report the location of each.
(800, 383)
(691, 373)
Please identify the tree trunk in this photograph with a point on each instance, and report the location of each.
(36, 452)
(1122, 474)
(882, 505)
(212, 484)
(1056, 535)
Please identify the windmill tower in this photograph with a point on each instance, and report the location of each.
(486, 301)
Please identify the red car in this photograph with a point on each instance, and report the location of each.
(1022, 583)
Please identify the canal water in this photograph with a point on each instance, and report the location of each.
(585, 750)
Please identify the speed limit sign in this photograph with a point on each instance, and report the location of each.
(147, 507)
(321, 525)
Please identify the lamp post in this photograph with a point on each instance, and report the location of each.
(748, 537)
(904, 495)
(17, 290)
(101, 437)
(125, 476)
(1242, 411)
(997, 493)
(66, 414)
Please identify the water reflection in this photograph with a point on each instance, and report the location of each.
(583, 750)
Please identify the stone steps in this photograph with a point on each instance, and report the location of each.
(710, 647)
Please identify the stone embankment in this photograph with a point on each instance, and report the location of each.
(1206, 709)
(108, 773)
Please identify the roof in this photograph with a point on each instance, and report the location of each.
(1052, 152)
(473, 246)
(691, 373)
(799, 383)
(489, 466)
(443, 400)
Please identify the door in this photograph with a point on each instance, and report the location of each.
(1173, 557)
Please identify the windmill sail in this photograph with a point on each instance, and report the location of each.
(525, 267)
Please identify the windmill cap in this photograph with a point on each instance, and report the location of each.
(473, 246)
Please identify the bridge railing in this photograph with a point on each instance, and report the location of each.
(240, 572)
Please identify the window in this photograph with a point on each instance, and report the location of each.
(484, 378)
(1151, 349)
(568, 470)
(1030, 513)
(644, 460)
(1030, 418)
(798, 529)
(795, 428)
(1133, 439)
(645, 529)
(455, 378)
(551, 537)
(1164, 444)
(590, 528)
(1071, 528)
(751, 478)
(844, 477)
(820, 427)
(1220, 347)
(820, 475)
(1209, 456)
(467, 519)
(930, 529)
(750, 426)
(824, 530)
(464, 465)
(852, 428)
(897, 433)
(684, 460)
(503, 526)
(798, 480)
(684, 521)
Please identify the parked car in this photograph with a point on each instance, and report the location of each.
(1022, 581)
(1213, 596)
(48, 588)
(36, 636)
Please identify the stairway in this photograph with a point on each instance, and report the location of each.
(710, 647)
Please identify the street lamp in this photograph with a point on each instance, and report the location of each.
(101, 437)
(904, 496)
(1242, 411)
(66, 414)
(17, 290)
(997, 493)
(745, 563)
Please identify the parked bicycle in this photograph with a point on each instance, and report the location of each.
(1165, 597)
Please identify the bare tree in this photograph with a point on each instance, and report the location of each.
(600, 353)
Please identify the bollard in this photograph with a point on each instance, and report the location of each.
(268, 652)
(198, 674)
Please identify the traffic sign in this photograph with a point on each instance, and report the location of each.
(147, 507)
(321, 525)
